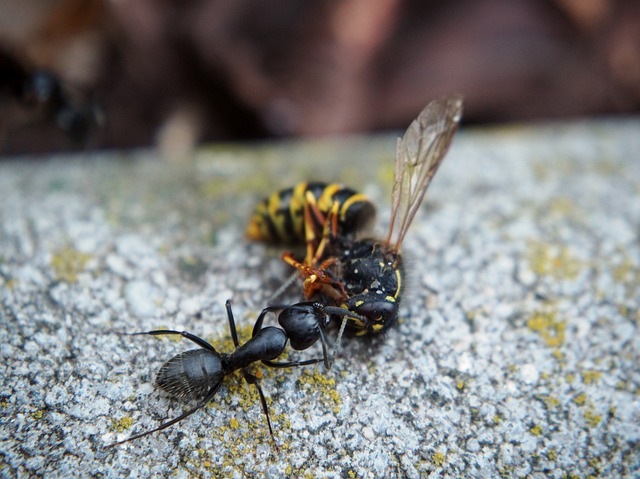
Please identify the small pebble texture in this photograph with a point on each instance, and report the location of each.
(517, 354)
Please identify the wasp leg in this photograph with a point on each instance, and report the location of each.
(318, 279)
(329, 232)
(313, 220)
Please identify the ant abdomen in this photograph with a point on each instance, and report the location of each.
(190, 374)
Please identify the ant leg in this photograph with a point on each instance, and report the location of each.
(346, 314)
(232, 323)
(191, 337)
(363, 320)
(269, 309)
(291, 364)
(327, 363)
(336, 345)
(252, 379)
(212, 392)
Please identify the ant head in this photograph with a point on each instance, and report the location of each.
(302, 323)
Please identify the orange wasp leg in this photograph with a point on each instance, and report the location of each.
(312, 218)
(317, 279)
(329, 231)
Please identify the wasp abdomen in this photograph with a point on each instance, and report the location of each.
(280, 218)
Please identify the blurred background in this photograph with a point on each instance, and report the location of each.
(78, 74)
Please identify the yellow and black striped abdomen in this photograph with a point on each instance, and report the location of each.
(280, 217)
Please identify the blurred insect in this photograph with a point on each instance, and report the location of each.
(365, 276)
(47, 96)
(198, 373)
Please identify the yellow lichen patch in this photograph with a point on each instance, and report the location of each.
(580, 399)
(554, 260)
(540, 170)
(37, 414)
(589, 377)
(122, 424)
(623, 271)
(67, 263)
(559, 355)
(562, 206)
(438, 459)
(326, 386)
(552, 454)
(507, 471)
(548, 327)
(551, 401)
(233, 423)
(460, 385)
(536, 430)
(592, 419)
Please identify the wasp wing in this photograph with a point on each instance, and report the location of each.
(418, 155)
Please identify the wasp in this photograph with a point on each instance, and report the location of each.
(364, 276)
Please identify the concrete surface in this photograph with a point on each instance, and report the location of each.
(517, 355)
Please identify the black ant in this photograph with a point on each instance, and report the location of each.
(199, 372)
(71, 109)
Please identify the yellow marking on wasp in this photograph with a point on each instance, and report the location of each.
(399, 279)
(267, 211)
(326, 199)
(358, 197)
(309, 232)
(391, 299)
